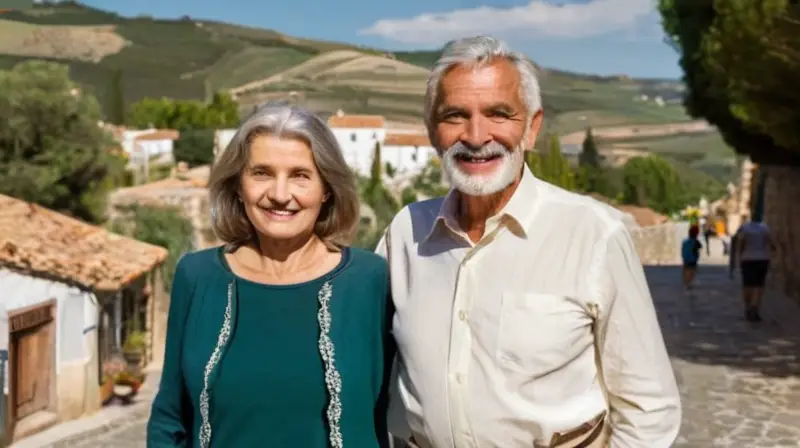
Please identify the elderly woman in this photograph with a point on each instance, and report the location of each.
(280, 337)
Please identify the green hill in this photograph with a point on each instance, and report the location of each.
(189, 59)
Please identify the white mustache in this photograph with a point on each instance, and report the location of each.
(490, 149)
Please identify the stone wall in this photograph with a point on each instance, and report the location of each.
(782, 215)
(657, 245)
(193, 201)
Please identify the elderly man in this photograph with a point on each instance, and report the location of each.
(523, 317)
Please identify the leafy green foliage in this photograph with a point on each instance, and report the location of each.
(162, 226)
(195, 147)
(551, 166)
(118, 113)
(689, 25)
(52, 152)
(652, 182)
(590, 156)
(754, 48)
(164, 113)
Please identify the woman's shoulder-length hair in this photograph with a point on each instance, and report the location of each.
(339, 216)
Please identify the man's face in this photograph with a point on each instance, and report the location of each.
(482, 127)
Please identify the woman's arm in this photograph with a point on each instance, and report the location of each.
(389, 350)
(170, 423)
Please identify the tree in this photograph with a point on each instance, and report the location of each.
(164, 226)
(552, 166)
(651, 182)
(376, 170)
(754, 49)
(164, 113)
(52, 152)
(117, 112)
(590, 156)
(195, 147)
(689, 26)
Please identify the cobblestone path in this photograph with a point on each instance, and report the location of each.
(740, 382)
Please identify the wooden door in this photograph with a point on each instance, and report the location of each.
(32, 374)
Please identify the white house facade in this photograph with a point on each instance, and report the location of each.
(407, 153)
(357, 136)
(50, 329)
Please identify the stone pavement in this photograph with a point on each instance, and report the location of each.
(740, 382)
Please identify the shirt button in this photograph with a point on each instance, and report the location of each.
(459, 378)
(462, 315)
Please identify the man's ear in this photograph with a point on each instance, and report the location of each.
(534, 128)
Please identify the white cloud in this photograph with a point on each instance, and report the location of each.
(538, 18)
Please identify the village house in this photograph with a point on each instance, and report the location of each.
(357, 136)
(72, 294)
(185, 189)
(407, 153)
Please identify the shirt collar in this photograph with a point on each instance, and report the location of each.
(519, 210)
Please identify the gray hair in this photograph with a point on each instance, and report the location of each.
(339, 216)
(477, 51)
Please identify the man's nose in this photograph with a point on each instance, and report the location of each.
(476, 134)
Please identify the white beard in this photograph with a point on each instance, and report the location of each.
(483, 185)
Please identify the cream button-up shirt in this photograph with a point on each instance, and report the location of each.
(499, 341)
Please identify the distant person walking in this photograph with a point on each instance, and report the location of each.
(752, 251)
(708, 232)
(690, 252)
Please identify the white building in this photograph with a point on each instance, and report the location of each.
(357, 136)
(407, 153)
(149, 146)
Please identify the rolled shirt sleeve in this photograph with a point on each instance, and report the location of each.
(645, 408)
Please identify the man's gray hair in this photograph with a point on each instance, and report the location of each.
(339, 216)
(477, 51)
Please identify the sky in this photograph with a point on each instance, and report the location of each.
(604, 37)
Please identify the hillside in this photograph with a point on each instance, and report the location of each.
(187, 59)
(190, 59)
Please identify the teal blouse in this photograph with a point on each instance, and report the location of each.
(255, 359)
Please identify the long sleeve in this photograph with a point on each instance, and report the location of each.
(389, 350)
(170, 423)
(645, 408)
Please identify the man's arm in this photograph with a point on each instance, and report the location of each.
(645, 408)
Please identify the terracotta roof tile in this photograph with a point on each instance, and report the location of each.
(643, 216)
(356, 121)
(400, 139)
(159, 134)
(39, 241)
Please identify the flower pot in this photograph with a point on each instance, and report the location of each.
(126, 389)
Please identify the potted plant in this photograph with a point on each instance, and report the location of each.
(111, 369)
(133, 349)
(127, 384)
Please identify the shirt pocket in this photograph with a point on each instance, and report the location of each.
(540, 333)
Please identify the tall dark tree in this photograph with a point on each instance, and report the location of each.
(117, 111)
(689, 25)
(590, 156)
(51, 150)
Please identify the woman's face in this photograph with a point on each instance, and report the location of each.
(281, 188)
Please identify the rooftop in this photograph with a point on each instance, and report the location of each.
(356, 121)
(406, 139)
(38, 241)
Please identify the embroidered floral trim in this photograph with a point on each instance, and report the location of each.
(224, 333)
(333, 380)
